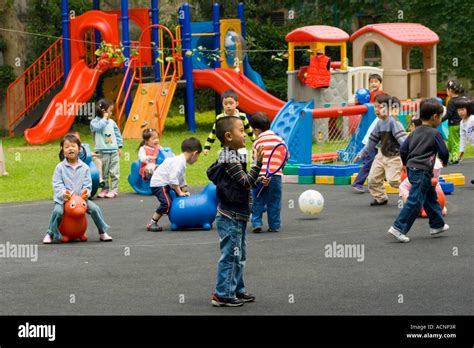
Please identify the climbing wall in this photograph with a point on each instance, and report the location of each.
(144, 111)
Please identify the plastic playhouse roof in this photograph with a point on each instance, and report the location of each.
(401, 33)
(319, 33)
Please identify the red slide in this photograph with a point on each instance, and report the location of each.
(59, 116)
(251, 97)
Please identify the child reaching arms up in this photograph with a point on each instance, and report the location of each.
(148, 152)
(72, 175)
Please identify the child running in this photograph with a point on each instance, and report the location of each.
(229, 103)
(72, 176)
(270, 199)
(233, 183)
(390, 134)
(148, 152)
(465, 109)
(405, 186)
(108, 146)
(171, 175)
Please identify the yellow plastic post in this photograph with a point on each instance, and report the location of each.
(291, 56)
(344, 62)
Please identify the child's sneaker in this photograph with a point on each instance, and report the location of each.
(472, 182)
(358, 188)
(376, 203)
(257, 229)
(102, 194)
(435, 231)
(104, 237)
(218, 301)
(246, 297)
(47, 239)
(111, 194)
(398, 235)
(273, 230)
(153, 227)
(102, 184)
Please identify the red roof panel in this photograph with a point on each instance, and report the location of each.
(401, 33)
(317, 33)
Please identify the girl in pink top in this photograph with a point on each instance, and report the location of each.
(148, 152)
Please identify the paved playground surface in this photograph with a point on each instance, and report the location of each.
(173, 273)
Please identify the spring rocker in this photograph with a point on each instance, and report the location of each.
(74, 222)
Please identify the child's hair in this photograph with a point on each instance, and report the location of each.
(224, 125)
(229, 94)
(72, 139)
(455, 86)
(383, 98)
(429, 107)
(260, 120)
(395, 103)
(375, 77)
(146, 135)
(102, 106)
(191, 144)
(416, 121)
(465, 103)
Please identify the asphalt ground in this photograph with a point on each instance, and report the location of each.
(173, 273)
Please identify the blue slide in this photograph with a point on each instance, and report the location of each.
(201, 62)
(294, 123)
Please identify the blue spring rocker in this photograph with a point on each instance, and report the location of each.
(86, 157)
(197, 211)
(135, 180)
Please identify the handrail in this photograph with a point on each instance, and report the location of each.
(34, 83)
(119, 110)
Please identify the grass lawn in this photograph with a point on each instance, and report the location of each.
(31, 167)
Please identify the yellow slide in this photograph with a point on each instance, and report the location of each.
(150, 108)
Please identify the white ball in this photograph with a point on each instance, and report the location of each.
(311, 202)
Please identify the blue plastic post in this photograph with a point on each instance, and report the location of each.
(126, 52)
(217, 32)
(217, 47)
(155, 38)
(98, 39)
(240, 15)
(185, 22)
(66, 37)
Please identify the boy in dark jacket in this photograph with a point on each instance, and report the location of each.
(418, 154)
(233, 183)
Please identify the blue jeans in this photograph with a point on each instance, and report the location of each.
(365, 169)
(422, 194)
(231, 265)
(271, 199)
(57, 215)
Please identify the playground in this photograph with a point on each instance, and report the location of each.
(149, 273)
(338, 262)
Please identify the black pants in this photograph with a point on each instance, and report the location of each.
(162, 193)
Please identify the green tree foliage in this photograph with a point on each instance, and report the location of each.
(45, 20)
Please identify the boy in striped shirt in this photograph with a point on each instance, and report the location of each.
(229, 103)
(270, 198)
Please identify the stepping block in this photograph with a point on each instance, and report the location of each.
(389, 189)
(324, 179)
(291, 169)
(447, 187)
(306, 170)
(458, 179)
(289, 179)
(354, 176)
(305, 180)
(342, 180)
(335, 170)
